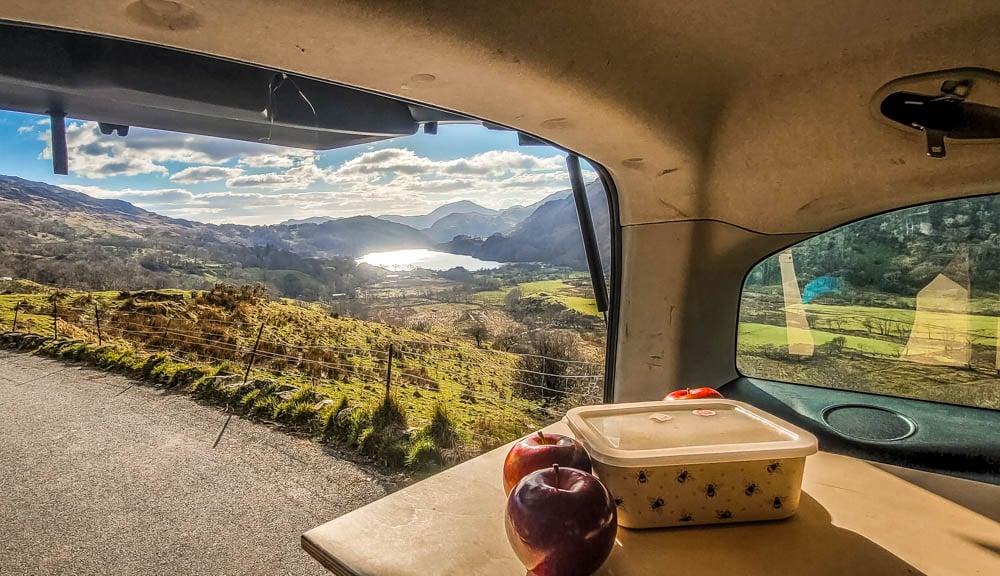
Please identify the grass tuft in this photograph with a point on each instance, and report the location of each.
(424, 455)
(442, 430)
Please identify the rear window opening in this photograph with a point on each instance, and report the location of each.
(404, 281)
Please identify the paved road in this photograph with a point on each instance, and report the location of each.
(100, 476)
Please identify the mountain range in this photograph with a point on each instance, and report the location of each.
(58, 236)
(550, 234)
(424, 221)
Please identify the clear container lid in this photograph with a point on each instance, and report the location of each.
(685, 432)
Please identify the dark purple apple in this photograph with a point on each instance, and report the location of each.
(561, 522)
(539, 451)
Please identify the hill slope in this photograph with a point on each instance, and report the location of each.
(57, 236)
(29, 199)
(551, 234)
(469, 224)
(519, 213)
(354, 236)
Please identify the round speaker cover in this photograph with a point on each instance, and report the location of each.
(864, 422)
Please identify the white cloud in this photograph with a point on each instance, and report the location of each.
(197, 174)
(25, 129)
(301, 174)
(144, 151)
(269, 180)
(260, 184)
(285, 159)
(403, 161)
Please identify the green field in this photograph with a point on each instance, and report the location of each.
(752, 335)
(868, 354)
(558, 290)
(982, 329)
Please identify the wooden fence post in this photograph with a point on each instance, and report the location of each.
(97, 314)
(253, 353)
(17, 308)
(388, 372)
(55, 316)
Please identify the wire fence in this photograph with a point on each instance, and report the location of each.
(494, 389)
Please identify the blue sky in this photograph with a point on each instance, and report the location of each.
(216, 180)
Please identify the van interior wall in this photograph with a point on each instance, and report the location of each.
(680, 298)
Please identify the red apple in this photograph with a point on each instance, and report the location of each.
(693, 394)
(561, 522)
(539, 451)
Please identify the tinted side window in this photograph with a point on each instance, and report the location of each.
(903, 304)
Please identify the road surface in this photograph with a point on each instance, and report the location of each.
(100, 474)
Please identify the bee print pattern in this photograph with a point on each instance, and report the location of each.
(689, 494)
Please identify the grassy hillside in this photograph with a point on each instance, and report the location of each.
(309, 366)
(573, 297)
(64, 238)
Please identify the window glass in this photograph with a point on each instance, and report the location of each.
(444, 269)
(903, 304)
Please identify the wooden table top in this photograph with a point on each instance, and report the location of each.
(854, 518)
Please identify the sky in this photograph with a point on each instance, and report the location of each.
(229, 181)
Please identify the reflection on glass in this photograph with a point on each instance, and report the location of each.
(941, 334)
(800, 340)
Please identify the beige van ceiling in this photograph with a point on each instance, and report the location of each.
(752, 113)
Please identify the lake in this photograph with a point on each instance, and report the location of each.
(428, 259)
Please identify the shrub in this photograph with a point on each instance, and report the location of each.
(306, 394)
(424, 455)
(380, 434)
(441, 430)
(357, 422)
(189, 375)
(74, 350)
(151, 363)
(296, 413)
(832, 348)
(265, 407)
(249, 399)
(386, 446)
(205, 389)
(390, 414)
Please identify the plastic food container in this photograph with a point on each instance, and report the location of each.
(694, 461)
